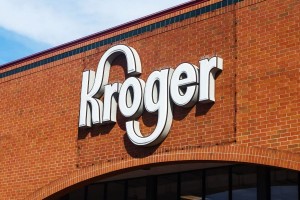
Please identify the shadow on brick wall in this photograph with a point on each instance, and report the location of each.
(138, 151)
(147, 120)
(94, 131)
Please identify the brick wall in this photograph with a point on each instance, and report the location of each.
(255, 118)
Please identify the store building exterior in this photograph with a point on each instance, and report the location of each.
(199, 101)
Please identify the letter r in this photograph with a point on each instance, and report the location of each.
(208, 70)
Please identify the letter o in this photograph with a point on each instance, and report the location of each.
(131, 102)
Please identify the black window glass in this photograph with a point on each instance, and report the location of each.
(116, 190)
(137, 189)
(244, 182)
(77, 194)
(65, 197)
(167, 187)
(248, 182)
(217, 184)
(284, 184)
(191, 185)
(95, 192)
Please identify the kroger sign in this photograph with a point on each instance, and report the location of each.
(185, 85)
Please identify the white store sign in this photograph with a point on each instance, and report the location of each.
(184, 86)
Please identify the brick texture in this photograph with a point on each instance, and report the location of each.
(255, 118)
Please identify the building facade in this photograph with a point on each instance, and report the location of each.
(242, 142)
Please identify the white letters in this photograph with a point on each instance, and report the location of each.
(93, 87)
(183, 86)
(110, 102)
(185, 75)
(88, 104)
(208, 70)
(131, 101)
(157, 98)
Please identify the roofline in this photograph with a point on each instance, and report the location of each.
(104, 32)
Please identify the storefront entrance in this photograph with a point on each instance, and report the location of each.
(195, 181)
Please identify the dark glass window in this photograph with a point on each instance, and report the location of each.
(137, 189)
(116, 190)
(244, 182)
(217, 184)
(167, 187)
(247, 182)
(77, 194)
(284, 184)
(95, 192)
(191, 185)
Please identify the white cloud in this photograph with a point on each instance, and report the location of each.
(58, 21)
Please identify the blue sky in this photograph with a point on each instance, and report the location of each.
(28, 27)
(14, 46)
